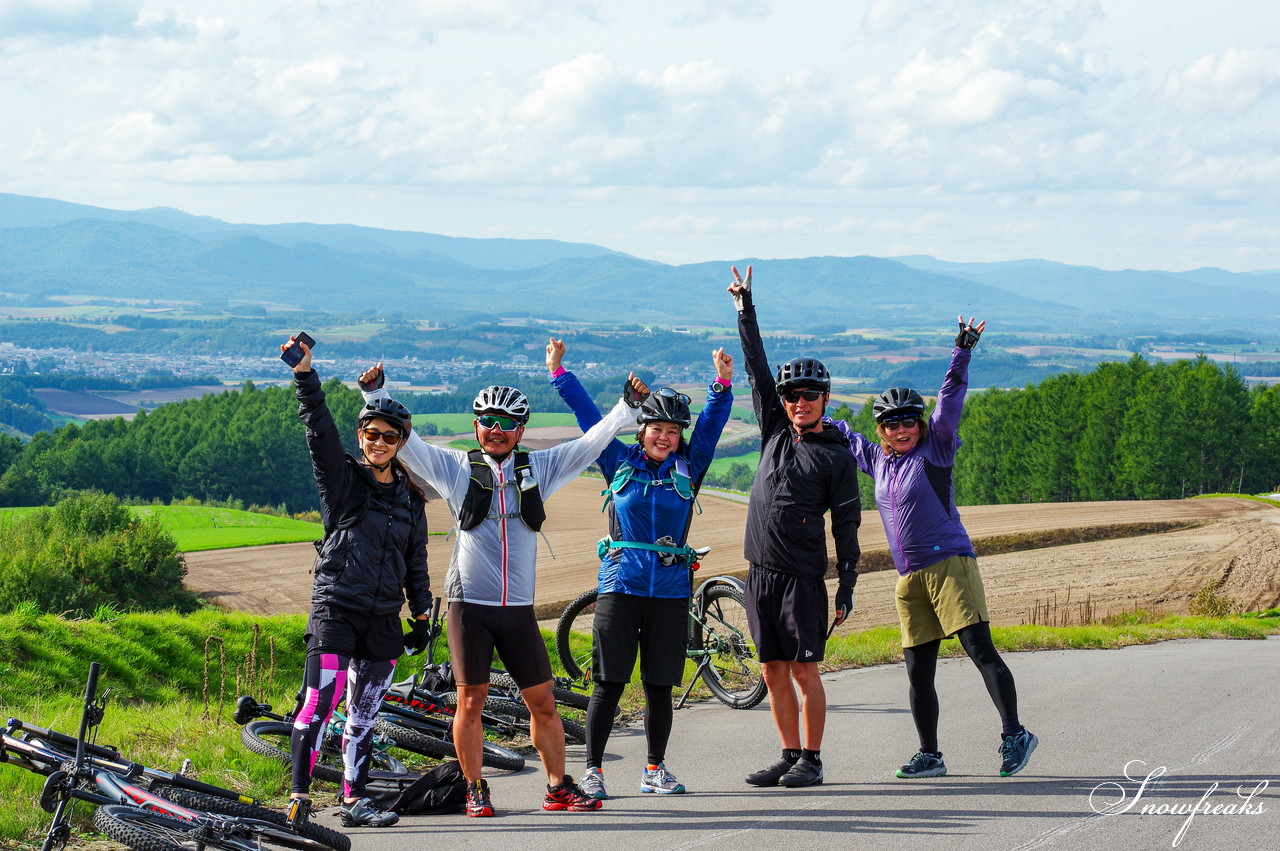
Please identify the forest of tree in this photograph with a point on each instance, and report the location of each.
(1126, 430)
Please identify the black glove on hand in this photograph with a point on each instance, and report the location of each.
(968, 336)
(375, 384)
(419, 634)
(633, 397)
(848, 574)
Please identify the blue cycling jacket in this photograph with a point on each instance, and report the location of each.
(648, 506)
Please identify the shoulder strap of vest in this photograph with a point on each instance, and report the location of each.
(478, 501)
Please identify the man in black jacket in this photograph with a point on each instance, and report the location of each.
(805, 470)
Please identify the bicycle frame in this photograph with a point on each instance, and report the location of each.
(697, 604)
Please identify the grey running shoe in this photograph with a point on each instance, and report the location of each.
(1016, 751)
(592, 784)
(803, 773)
(661, 781)
(771, 775)
(923, 765)
(363, 813)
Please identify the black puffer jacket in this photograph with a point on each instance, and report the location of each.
(378, 561)
(798, 480)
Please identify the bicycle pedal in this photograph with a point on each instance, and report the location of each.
(299, 812)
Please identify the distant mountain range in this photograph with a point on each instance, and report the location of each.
(50, 247)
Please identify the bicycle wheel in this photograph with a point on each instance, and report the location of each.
(575, 653)
(492, 755)
(507, 689)
(312, 834)
(274, 739)
(432, 739)
(720, 629)
(149, 831)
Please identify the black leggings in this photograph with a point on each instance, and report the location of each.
(922, 666)
(658, 717)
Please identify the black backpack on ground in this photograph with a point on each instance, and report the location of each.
(440, 791)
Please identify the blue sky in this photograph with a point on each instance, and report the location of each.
(1116, 134)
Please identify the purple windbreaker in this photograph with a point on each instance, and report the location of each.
(914, 493)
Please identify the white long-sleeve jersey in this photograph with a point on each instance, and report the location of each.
(494, 563)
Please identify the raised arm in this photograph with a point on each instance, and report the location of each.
(324, 444)
(557, 466)
(946, 415)
(714, 416)
(764, 392)
(583, 407)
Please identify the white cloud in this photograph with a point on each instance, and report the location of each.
(1226, 83)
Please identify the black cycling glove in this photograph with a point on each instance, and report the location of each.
(968, 336)
(418, 636)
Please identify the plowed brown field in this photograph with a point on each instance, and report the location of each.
(1238, 541)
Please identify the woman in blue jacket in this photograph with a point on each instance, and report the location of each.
(939, 592)
(644, 571)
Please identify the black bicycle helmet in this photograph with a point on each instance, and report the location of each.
(389, 410)
(897, 402)
(507, 401)
(803, 372)
(665, 405)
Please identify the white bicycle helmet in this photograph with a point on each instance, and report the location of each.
(507, 401)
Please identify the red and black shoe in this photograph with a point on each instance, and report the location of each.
(478, 803)
(567, 796)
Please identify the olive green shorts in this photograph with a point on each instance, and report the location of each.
(940, 600)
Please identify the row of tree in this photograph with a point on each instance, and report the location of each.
(1126, 430)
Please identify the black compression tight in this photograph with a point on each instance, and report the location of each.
(922, 667)
(658, 717)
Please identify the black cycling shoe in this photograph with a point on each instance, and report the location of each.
(771, 775)
(803, 773)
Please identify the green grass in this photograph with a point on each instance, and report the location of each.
(1272, 502)
(198, 527)
(721, 465)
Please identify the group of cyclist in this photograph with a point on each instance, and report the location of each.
(373, 558)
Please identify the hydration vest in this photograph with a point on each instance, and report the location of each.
(680, 480)
(478, 501)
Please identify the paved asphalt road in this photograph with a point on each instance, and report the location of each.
(1200, 717)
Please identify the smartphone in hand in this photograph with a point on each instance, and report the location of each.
(293, 355)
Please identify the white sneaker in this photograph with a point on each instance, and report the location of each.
(659, 780)
(592, 784)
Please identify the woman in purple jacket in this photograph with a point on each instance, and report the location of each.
(939, 592)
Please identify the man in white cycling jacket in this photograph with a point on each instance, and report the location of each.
(496, 497)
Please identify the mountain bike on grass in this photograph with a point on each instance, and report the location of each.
(718, 640)
(175, 812)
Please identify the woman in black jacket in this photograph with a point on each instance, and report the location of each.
(373, 557)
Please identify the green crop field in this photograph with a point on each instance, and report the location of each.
(198, 527)
(721, 465)
(461, 423)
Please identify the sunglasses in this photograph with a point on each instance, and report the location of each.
(904, 422)
(668, 393)
(794, 396)
(500, 423)
(390, 438)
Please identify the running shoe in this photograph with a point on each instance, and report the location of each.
(658, 779)
(803, 773)
(923, 765)
(478, 803)
(1016, 751)
(771, 775)
(567, 796)
(592, 784)
(363, 813)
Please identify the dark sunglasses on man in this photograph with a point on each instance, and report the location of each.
(501, 423)
(809, 395)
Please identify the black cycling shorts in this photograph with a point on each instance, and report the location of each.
(356, 635)
(787, 615)
(656, 626)
(476, 631)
